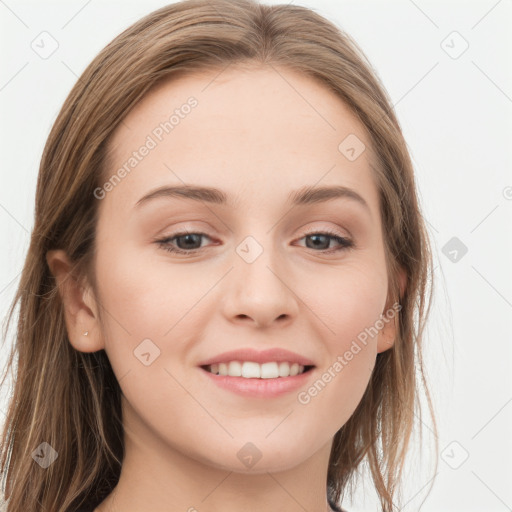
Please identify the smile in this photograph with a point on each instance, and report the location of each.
(252, 370)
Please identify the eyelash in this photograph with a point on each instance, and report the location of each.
(345, 243)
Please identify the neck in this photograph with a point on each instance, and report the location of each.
(158, 477)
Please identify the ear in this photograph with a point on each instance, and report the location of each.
(391, 316)
(80, 311)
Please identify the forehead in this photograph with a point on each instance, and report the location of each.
(258, 130)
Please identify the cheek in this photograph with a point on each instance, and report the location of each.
(349, 306)
(351, 351)
(145, 296)
(349, 301)
(337, 390)
(148, 311)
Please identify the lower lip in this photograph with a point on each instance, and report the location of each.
(260, 388)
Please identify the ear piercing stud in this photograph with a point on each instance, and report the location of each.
(86, 333)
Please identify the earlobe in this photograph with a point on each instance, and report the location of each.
(387, 334)
(78, 303)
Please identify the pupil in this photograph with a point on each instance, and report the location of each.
(315, 240)
(190, 238)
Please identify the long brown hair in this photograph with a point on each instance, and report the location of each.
(72, 400)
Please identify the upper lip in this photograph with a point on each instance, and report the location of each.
(258, 356)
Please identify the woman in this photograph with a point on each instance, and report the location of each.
(260, 366)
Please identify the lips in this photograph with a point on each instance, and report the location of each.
(257, 356)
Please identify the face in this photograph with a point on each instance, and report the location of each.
(256, 270)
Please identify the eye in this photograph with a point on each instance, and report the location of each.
(190, 242)
(320, 239)
(187, 239)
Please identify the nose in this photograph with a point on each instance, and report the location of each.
(260, 293)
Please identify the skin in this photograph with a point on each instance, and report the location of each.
(257, 133)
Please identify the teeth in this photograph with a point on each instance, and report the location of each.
(251, 370)
(269, 371)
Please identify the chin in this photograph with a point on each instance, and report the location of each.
(258, 458)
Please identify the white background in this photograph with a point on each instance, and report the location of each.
(456, 118)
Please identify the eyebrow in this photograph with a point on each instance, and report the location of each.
(302, 197)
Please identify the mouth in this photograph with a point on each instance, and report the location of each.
(253, 370)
